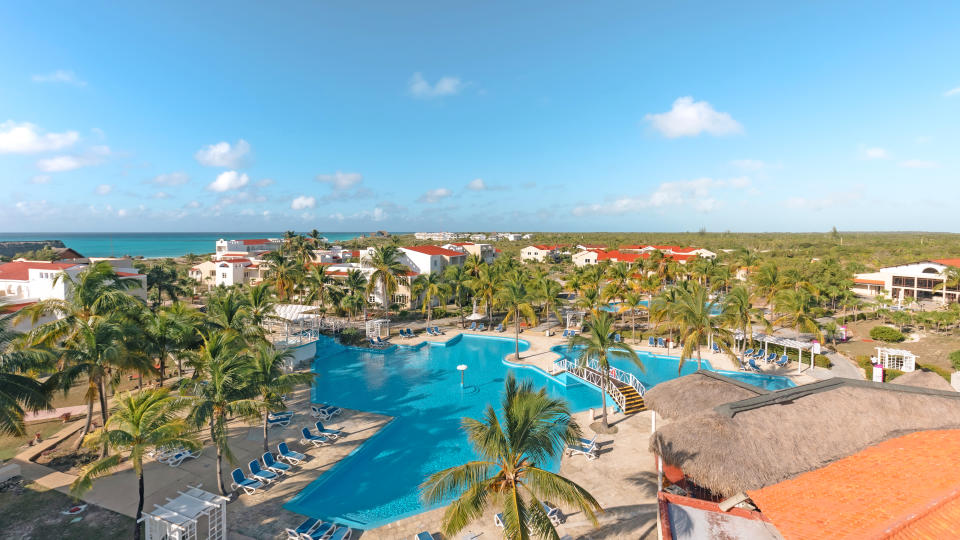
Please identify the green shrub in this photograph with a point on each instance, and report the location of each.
(936, 369)
(352, 337)
(439, 313)
(821, 360)
(886, 334)
(891, 374)
(955, 360)
(403, 314)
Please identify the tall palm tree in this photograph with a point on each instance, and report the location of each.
(473, 263)
(633, 302)
(319, 284)
(796, 311)
(267, 376)
(738, 312)
(485, 285)
(457, 279)
(226, 312)
(692, 316)
(140, 422)
(283, 272)
(259, 306)
(164, 331)
(548, 293)
(387, 271)
(222, 390)
(162, 279)
(531, 431)
(18, 391)
(433, 287)
(596, 344)
(514, 298)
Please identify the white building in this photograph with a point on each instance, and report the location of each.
(233, 248)
(228, 271)
(539, 253)
(486, 252)
(908, 282)
(437, 236)
(671, 250)
(510, 237)
(585, 258)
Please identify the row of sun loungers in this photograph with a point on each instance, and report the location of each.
(752, 357)
(271, 470)
(324, 411)
(174, 456)
(323, 437)
(656, 342)
(553, 514)
(378, 343)
(569, 333)
(316, 529)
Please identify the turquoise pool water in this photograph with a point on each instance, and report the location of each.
(659, 368)
(420, 387)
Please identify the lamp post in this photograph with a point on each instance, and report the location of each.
(461, 368)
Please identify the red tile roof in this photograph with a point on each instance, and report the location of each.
(255, 241)
(20, 270)
(908, 487)
(462, 244)
(13, 308)
(868, 281)
(618, 255)
(545, 247)
(593, 246)
(948, 262)
(435, 250)
(130, 274)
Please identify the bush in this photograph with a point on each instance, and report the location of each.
(936, 369)
(886, 334)
(891, 374)
(821, 360)
(352, 337)
(955, 360)
(439, 313)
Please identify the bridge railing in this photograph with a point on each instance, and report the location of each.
(591, 374)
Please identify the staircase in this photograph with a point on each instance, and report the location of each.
(633, 401)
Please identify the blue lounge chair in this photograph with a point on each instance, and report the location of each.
(329, 433)
(481, 327)
(324, 412)
(473, 325)
(437, 331)
(294, 458)
(566, 333)
(716, 348)
(315, 440)
(573, 333)
(249, 485)
(552, 513)
(498, 520)
(586, 447)
(616, 338)
(372, 342)
(321, 532)
(278, 420)
(747, 352)
(424, 536)
(306, 527)
(771, 357)
(661, 343)
(430, 331)
(343, 533)
(184, 454)
(500, 328)
(784, 360)
(651, 342)
(274, 465)
(410, 333)
(260, 474)
(753, 364)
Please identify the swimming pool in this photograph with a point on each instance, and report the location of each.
(419, 387)
(660, 368)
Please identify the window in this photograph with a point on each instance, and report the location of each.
(224, 275)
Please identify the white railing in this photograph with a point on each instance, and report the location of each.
(591, 374)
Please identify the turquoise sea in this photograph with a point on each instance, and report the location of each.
(154, 244)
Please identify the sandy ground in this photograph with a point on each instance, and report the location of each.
(930, 347)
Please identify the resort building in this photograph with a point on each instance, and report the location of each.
(540, 253)
(438, 236)
(254, 246)
(509, 237)
(671, 250)
(486, 252)
(228, 271)
(585, 258)
(429, 259)
(595, 256)
(922, 280)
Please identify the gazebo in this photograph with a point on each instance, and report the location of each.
(378, 328)
(574, 319)
(786, 343)
(178, 518)
(299, 322)
(895, 359)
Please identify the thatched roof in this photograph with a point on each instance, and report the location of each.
(696, 393)
(759, 441)
(924, 379)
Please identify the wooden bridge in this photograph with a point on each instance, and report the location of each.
(624, 387)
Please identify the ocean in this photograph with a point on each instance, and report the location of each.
(153, 245)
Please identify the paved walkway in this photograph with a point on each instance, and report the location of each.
(842, 367)
(56, 413)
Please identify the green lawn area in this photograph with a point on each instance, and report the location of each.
(35, 513)
(11, 446)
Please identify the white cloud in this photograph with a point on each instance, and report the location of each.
(692, 193)
(93, 156)
(223, 154)
(435, 195)
(919, 164)
(688, 118)
(193, 204)
(477, 184)
(952, 92)
(27, 138)
(749, 164)
(303, 202)
(340, 180)
(171, 179)
(874, 152)
(122, 212)
(265, 182)
(60, 76)
(445, 86)
(104, 189)
(228, 180)
(40, 179)
(161, 195)
(377, 214)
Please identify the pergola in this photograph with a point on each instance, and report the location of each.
(178, 518)
(786, 343)
(895, 359)
(300, 323)
(378, 328)
(574, 319)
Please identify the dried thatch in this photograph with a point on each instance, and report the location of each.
(760, 441)
(696, 393)
(924, 379)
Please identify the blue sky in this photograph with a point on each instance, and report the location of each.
(573, 116)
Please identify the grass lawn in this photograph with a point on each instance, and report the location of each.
(35, 513)
(932, 348)
(11, 446)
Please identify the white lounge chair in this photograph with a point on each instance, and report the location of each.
(587, 448)
(249, 485)
(323, 530)
(178, 458)
(315, 440)
(307, 526)
(294, 458)
(552, 513)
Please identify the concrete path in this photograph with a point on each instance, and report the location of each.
(56, 413)
(842, 367)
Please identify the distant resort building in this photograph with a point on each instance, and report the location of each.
(589, 254)
(924, 280)
(231, 248)
(486, 252)
(228, 271)
(540, 253)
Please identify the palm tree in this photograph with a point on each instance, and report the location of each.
(692, 315)
(433, 287)
(163, 331)
(600, 347)
(224, 389)
(387, 269)
(795, 307)
(473, 263)
(534, 430)
(259, 308)
(514, 298)
(319, 285)
(548, 292)
(485, 285)
(267, 376)
(951, 280)
(737, 311)
(283, 273)
(457, 279)
(226, 311)
(162, 279)
(18, 391)
(632, 302)
(140, 422)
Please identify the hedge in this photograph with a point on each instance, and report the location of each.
(955, 360)
(886, 333)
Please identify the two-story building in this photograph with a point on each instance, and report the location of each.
(486, 252)
(539, 253)
(228, 271)
(251, 246)
(922, 280)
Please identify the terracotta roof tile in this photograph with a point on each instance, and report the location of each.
(20, 270)
(908, 487)
(435, 250)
